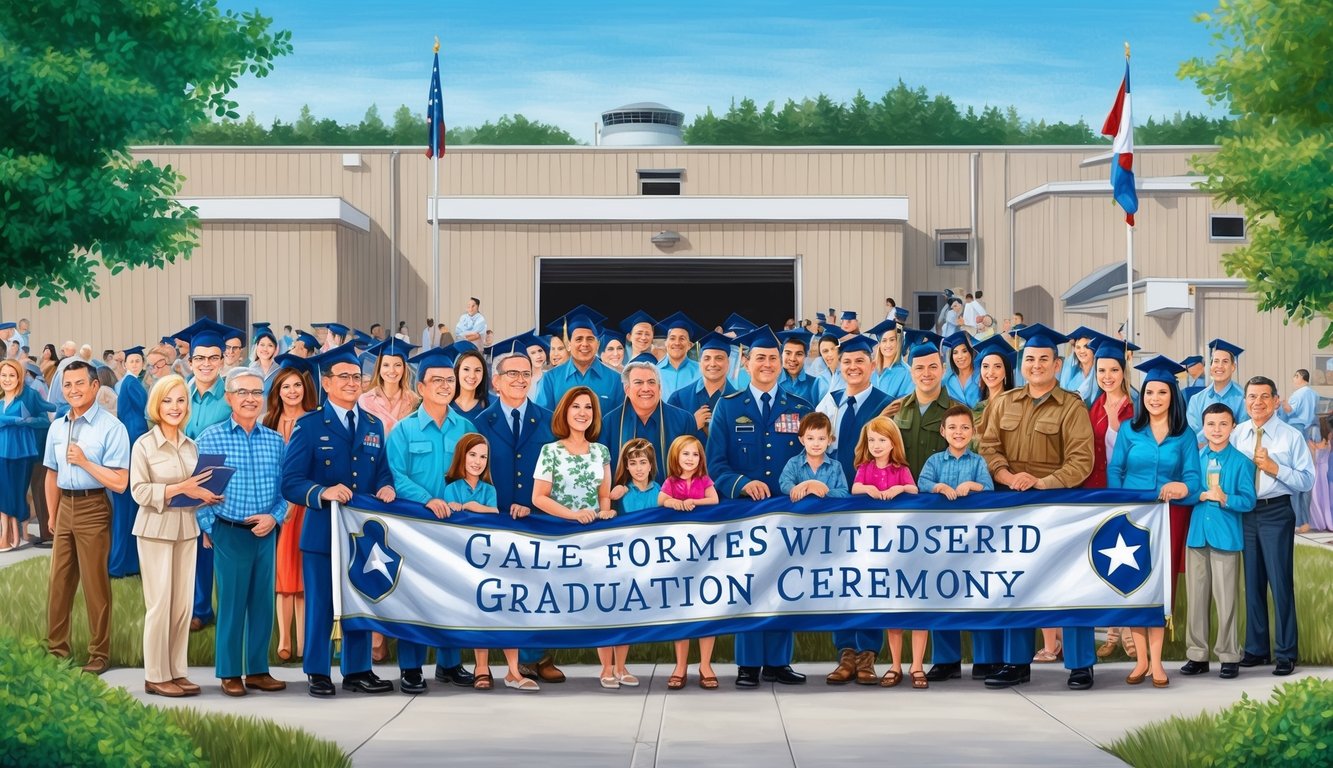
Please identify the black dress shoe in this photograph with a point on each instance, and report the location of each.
(784, 674)
(1251, 660)
(1080, 679)
(747, 677)
(413, 682)
(321, 686)
(938, 673)
(1230, 671)
(366, 682)
(980, 671)
(1284, 667)
(1009, 675)
(1193, 667)
(457, 674)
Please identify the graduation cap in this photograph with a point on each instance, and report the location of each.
(1038, 336)
(567, 324)
(391, 346)
(1107, 348)
(296, 363)
(235, 333)
(1160, 369)
(262, 330)
(849, 315)
(796, 334)
(311, 343)
(344, 353)
(901, 314)
(1225, 346)
(363, 339)
(645, 357)
(922, 343)
(133, 351)
(1192, 360)
(958, 338)
(821, 317)
(336, 328)
(8, 326)
(440, 357)
(881, 328)
(463, 345)
(564, 324)
(762, 336)
(628, 323)
(737, 325)
(857, 343)
(681, 320)
(517, 345)
(206, 333)
(996, 345)
(1084, 332)
(718, 342)
(170, 341)
(606, 338)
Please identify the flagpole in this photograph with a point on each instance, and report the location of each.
(1129, 259)
(435, 220)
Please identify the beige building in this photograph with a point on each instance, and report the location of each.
(300, 235)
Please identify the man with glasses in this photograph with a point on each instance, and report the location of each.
(334, 452)
(158, 367)
(233, 350)
(241, 530)
(208, 406)
(87, 453)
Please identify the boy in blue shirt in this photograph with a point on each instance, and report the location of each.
(812, 473)
(1214, 544)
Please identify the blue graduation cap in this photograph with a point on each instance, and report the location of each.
(605, 338)
(345, 353)
(170, 341)
(1192, 360)
(535, 339)
(958, 338)
(311, 343)
(1038, 336)
(762, 336)
(363, 339)
(901, 314)
(391, 346)
(737, 325)
(796, 334)
(338, 329)
(1084, 332)
(236, 334)
(133, 351)
(440, 357)
(821, 318)
(564, 324)
(717, 342)
(645, 357)
(463, 345)
(1225, 346)
(857, 343)
(1107, 348)
(849, 315)
(8, 326)
(295, 362)
(681, 320)
(1160, 369)
(884, 326)
(921, 343)
(628, 323)
(995, 345)
(262, 330)
(517, 345)
(206, 333)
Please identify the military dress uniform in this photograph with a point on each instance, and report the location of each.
(695, 397)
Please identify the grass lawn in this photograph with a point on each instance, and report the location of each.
(23, 612)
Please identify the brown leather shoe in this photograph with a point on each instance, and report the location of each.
(846, 670)
(548, 671)
(264, 682)
(163, 689)
(96, 666)
(865, 668)
(185, 685)
(232, 686)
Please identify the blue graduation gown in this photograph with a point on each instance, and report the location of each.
(662, 428)
(131, 401)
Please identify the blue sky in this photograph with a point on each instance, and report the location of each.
(565, 63)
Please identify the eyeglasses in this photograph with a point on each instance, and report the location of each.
(343, 378)
(512, 375)
(438, 381)
(208, 359)
(160, 365)
(230, 348)
(247, 393)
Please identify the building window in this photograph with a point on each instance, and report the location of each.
(660, 182)
(228, 310)
(927, 310)
(1226, 227)
(953, 253)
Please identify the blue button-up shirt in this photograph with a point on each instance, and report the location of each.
(207, 408)
(894, 380)
(1211, 524)
(564, 377)
(953, 471)
(103, 439)
(798, 470)
(1302, 414)
(256, 487)
(459, 492)
(470, 324)
(420, 452)
(1232, 396)
(675, 379)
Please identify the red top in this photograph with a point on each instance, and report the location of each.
(1100, 423)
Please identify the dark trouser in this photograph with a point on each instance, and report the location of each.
(1270, 532)
(79, 553)
(317, 574)
(124, 558)
(37, 490)
(859, 640)
(203, 583)
(245, 570)
(987, 646)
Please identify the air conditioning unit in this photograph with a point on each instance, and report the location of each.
(1167, 298)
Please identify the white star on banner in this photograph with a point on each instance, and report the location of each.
(1120, 554)
(379, 561)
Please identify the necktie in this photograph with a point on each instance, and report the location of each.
(351, 422)
(513, 416)
(847, 427)
(1258, 443)
(767, 408)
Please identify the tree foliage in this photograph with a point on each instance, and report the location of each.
(81, 80)
(407, 128)
(1272, 72)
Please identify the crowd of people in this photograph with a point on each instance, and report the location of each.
(122, 461)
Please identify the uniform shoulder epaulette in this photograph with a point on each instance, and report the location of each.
(737, 393)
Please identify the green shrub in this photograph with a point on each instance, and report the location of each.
(55, 715)
(234, 741)
(1292, 729)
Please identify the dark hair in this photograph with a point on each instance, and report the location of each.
(483, 393)
(1008, 374)
(956, 410)
(457, 468)
(560, 420)
(636, 448)
(373, 326)
(476, 301)
(1219, 408)
(287, 328)
(430, 321)
(978, 295)
(970, 350)
(55, 354)
(309, 400)
(1018, 315)
(80, 365)
(814, 420)
(106, 377)
(1175, 412)
(1261, 381)
(889, 300)
(106, 353)
(800, 344)
(1304, 374)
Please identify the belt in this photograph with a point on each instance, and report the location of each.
(81, 494)
(1273, 501)
(233, 523)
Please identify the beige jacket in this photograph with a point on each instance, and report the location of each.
(156, 463)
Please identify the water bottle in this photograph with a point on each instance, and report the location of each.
(1214, 474)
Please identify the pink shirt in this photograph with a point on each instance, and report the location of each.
(388, 411)
(883, 479)
(681, 489)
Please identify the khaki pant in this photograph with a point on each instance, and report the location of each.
(82, 545)
(1216, 571)
(167, 569)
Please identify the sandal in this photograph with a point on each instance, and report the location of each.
(919, 679)
(1049, 657)
(708, 682)
(483, 682)
(890, 679)
(1130, 650)
(1106, 649)
(676, 682)
(523, 684)
(610, 682)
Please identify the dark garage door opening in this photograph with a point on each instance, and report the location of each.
(708, 290)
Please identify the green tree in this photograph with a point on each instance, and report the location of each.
(83, 79)
(517, 130)
(1271, 71)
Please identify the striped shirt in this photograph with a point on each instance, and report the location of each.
(953, 471)
(255, 489)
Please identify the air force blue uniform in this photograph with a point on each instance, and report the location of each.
(322, 454)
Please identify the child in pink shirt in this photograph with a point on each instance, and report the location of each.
(688, 486)
(882, 473)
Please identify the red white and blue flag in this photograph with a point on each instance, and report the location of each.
(435, 113)
(1120, 124)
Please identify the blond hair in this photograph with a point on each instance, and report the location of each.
(18, 371)
(882, 425)
(161, 388)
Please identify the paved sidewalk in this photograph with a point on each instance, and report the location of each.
(579, 724)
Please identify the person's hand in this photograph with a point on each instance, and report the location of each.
(688, 505)
(618, 492)
(912, 489)
(339, 493)
(969, 486)
(457, 507)
(194, 488)
(1214, 494)
(798, 492)
(756, 490)
(1173, 491)
(702, 416)
(585, 516)
(892, 492)
(439, 507)
(517, 511)
(75, 456)
(606, 514)
(1022, 481)
(386, 494)
(816, 488)
(945, 490)
(892, 408)
(208, 542)
(261, 524)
